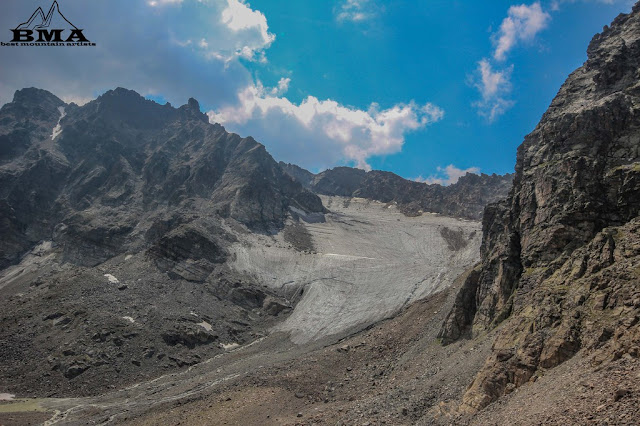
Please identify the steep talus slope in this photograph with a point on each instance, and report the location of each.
(390, 373)
(466, 198)
(560, 255)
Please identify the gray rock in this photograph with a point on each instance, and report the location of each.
(466, 198)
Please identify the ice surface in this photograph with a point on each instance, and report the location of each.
(370, 261)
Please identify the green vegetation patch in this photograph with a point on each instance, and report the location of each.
(21, 406)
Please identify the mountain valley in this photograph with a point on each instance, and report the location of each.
(157, 269)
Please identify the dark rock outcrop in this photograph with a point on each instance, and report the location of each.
(190, 252)
(466, 198)
(298, 173)
(343, 181)
(560, 254)
(29, 178)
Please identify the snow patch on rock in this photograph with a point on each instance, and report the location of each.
(112, 279)
(205, 325)
(229, 346)
(58, 129)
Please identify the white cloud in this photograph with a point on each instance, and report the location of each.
(323, 133)
(219, 29)
(166, 56)
(494, 87)
(198, 44)
(282, 87)
(447, 175)
(356, 10)
(76, 100)
(522, 24)
(241, 19)
(492, 83)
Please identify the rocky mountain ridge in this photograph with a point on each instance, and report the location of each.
(466, 198)
(120, 169)
(559, 263)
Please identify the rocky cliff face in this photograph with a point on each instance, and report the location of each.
(119, 170)
(466, 198)
(560, 254)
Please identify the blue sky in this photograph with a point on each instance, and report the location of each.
(425, 89)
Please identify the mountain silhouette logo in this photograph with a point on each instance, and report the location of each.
(52, 29)
(53, 19)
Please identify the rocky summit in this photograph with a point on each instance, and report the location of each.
(121, 170)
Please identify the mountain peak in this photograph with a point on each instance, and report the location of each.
(121, 91)
(32, 95)
(121, 97)
(192, 109)
(193, 104)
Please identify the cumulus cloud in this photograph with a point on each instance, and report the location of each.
(241, 19)
(494, 87)
(226, 29)
(322, 133)
(356, 10)
(233, 28)
(447, 175)
(521, 24)
(282, 87)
